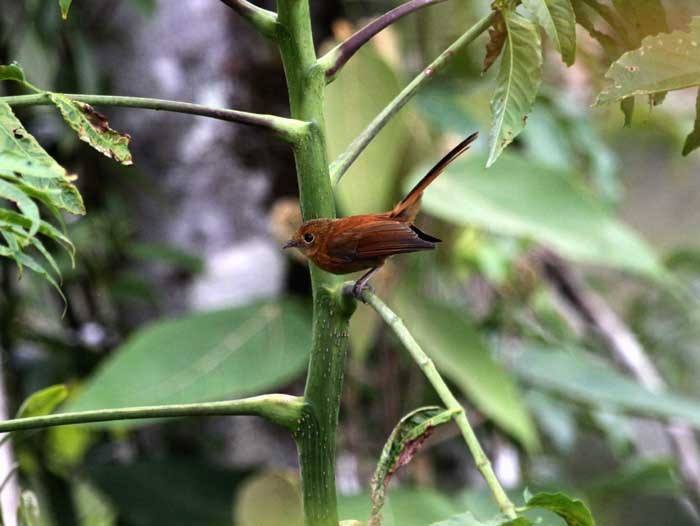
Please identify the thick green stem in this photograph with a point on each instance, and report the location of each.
(433, 376)
(290, 130)
(345, 159)
(284, 410)
(316, 433)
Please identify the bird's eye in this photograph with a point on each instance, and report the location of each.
(308, 237)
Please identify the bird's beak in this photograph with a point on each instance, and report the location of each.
(289, 244)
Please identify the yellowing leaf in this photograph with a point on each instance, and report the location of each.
(93, 128)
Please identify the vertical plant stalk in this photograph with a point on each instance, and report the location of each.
(316, 431)
(483, 464)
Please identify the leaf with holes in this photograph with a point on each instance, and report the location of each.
(23, 160)
(666, 62)
(93, 128)
(202, 357)
(518, 81)
(559, 22)
(401, 446)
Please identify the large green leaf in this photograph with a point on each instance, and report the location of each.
(578, 377)
(365, 86)
(559, 22)
(665, 62)
(525, 199)
(93, 128)
(518, 81)
(449, 338)
(404, 507)
(207, 356)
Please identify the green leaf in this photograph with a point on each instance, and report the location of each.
(467, 519)
(404, 507)
(692, 141)
(43, 402)
(610, 46)
(546, 204)
(175, 491)
(518, 81)
(20, 153)
(12, 72)
(642, 18)
(449, 338)
(207, 356)
(559, 22)
(573, 511)
(401, 446)
(577, 376)
(24, 204)
(65, 7)
(93, 128)
(367, 84)
(28, 510)
(666, 62)
(45, 228)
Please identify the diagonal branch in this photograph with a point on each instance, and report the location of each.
(264, 21)
(600, 320)
(280, 409)
(291, 130)
(336, 58)
(345, 160)
(433, 376)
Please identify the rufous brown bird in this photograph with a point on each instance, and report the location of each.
(349, 244)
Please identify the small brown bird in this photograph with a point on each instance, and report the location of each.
(349, 244)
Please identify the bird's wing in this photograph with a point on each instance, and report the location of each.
(377, 238)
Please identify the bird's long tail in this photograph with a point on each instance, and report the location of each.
(408, 208)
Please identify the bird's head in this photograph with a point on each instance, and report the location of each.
(309, 237)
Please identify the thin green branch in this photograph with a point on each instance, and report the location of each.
(281, 409)
(433, 376)
(336, 58)
(264, 21)
(291, 130)
(345, 160)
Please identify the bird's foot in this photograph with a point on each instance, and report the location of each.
(358, 288)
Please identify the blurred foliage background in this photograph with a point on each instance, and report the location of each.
(160, 311)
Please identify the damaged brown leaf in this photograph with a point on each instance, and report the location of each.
(497, 38)
(404, 442)
(93, 128)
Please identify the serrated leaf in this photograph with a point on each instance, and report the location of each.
(573, 511)
(666, 62)
(559, 22)
(692, 141)
(497, 38)
(401, 446)
(65, 7)
(461, 355)
(24, 204)
(93, 128)
(43, 402)
(518, 81)
(33, 264)
(202, 357)
(21, 154)
(45, 228)
(28, 510)
(12, 72)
